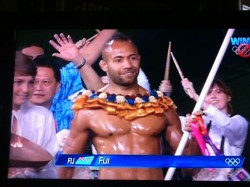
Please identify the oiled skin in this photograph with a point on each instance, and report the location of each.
(114, 135)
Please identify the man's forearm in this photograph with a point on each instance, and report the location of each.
(91, 79)
(93, 51)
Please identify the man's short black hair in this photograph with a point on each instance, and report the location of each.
(49, 62)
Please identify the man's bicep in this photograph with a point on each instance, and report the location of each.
(173, 130)
(79, 134)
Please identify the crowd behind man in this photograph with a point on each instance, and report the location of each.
(54, 85)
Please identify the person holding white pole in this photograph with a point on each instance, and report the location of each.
(203, 93)
(227, 131)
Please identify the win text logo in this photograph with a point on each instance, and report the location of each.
(241, 46)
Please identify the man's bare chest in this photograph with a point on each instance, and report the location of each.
(104, 124)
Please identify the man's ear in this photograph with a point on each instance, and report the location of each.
(58, 84)
(103, 65)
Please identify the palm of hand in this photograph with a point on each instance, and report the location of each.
(68, 51)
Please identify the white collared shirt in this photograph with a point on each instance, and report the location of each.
(36, 123)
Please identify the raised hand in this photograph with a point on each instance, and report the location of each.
(166, 86)
(66, 47)
(82, 43)
(188, 88)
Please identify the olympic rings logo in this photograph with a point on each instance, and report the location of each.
(242, 50)
(232, 161)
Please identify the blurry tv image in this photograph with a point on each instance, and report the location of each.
(196, 51)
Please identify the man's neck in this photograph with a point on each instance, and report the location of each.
(132, 90)
(45, 105)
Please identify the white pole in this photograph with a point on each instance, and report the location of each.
(240, 5)
(201, 98)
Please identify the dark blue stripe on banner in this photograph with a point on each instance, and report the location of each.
(149, 161)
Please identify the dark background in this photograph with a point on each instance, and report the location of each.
(196, 39)
(110, 5)
(194, 49)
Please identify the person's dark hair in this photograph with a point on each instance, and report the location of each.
(21, 47)
(118, 36)
(225, 89)
(49, 62)
(24, 66)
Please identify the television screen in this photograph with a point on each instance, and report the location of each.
(134, 140)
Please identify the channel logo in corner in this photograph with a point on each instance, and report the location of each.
(84, 160)
(241, 46)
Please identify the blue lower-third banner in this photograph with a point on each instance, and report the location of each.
(149, 161)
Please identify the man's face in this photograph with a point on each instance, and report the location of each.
(23, 88)
(33, 52)
(122, 63)
(46, 87)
